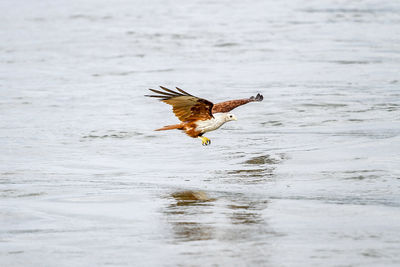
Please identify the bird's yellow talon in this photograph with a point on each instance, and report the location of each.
(205, 141)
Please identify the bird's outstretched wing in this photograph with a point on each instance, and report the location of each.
(184, 105)
(229, 105)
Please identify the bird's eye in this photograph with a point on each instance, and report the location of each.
(230, 116)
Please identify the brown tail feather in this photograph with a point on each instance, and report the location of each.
(170, 127)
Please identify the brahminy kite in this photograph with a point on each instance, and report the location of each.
(198, 115)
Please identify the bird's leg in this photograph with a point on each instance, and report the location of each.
(205, 141)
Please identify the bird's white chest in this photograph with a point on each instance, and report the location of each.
(210, 125)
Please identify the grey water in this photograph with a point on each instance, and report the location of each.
(308, 177)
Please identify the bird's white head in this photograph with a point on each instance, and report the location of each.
(230, 117)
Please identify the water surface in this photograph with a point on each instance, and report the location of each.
(308, 177)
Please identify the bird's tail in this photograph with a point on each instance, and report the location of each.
(171, 127)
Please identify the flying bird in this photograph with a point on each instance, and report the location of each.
(198, 115)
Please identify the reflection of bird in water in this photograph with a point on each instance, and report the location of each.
(198, 115)
(189, 197)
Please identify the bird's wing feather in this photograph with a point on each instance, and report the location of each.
(184, 105)
(231, 104)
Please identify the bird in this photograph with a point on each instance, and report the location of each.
(198, 115)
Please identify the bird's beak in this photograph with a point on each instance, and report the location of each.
(235, 118)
